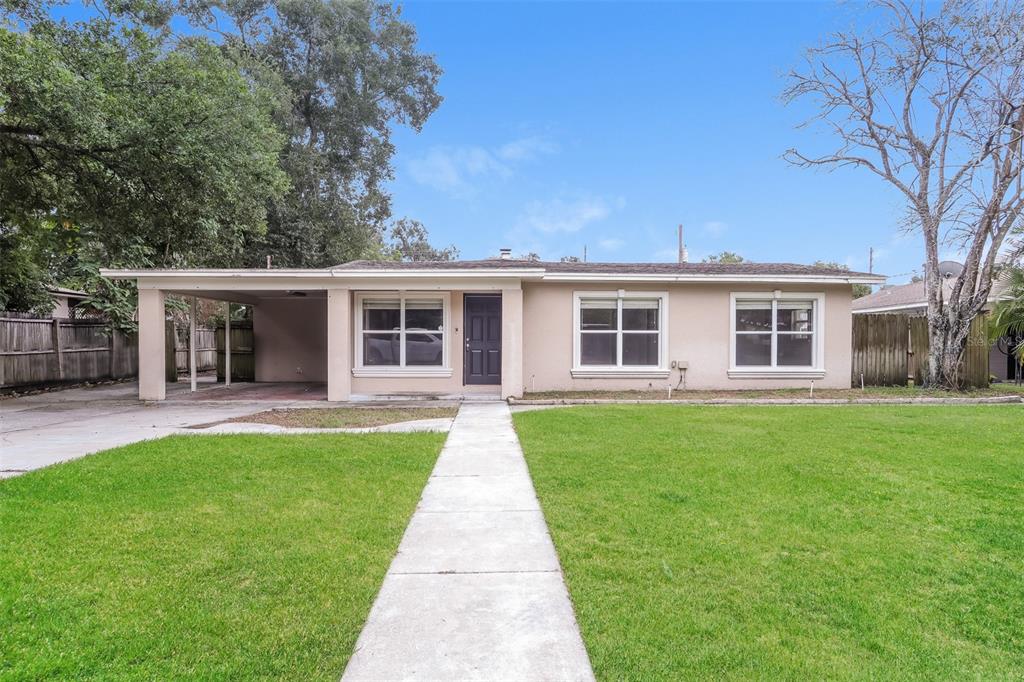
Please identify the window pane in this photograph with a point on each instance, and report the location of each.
(753, 316)
(424, 349)
(639, 315)
(639, 349)
(795, 316)
(753, 350)
(795, 350)
(597, 349)
(599, 314)
(423, 314)
(381, 314)
(381, 349)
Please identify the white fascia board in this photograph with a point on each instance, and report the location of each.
(276, 273)
(285, 280)
(727, 279)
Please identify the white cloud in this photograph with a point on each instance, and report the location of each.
(611, 243)
(455, 169)
(558, 215)
(450, 169)
(714, 227)
(526, 149)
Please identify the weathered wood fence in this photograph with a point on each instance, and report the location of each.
(46, 351)
(243, 356)
(210, 351)
(890, 349)
(206, 348)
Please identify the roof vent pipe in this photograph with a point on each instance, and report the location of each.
(506, 254)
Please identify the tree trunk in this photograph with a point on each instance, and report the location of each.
(948, 332)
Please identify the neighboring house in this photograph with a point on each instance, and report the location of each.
(504, 326)
(910, 299)
(66, 301)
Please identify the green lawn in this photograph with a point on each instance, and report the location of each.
(211, 557)
(789, 542)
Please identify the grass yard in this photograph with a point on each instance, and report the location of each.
(209, 557)
(789, 542)
(344, 417)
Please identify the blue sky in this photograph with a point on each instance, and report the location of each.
(607, 124)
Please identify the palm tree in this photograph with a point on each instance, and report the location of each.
(1008, 317)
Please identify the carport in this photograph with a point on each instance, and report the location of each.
(359, 329)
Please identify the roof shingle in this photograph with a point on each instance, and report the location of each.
(607, 268)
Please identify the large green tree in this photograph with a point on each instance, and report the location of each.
(125, 146)
(349, 71)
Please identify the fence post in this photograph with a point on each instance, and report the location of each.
(57, 349)
(113, 353)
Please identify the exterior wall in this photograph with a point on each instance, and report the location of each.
(698, 333)
(61, 308)
(290, 339)
(291, 342)
(435, 385)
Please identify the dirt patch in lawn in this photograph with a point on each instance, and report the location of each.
(341, 417)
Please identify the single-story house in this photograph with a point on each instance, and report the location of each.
(911, 299)
(503, 326)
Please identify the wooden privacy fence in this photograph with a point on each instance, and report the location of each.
(206, 349)
(43, 351)
(210, 351)
(889, 349)
(243, 356)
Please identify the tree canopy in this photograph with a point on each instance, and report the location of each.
(265, 130)
(348, 71)
(724, 257)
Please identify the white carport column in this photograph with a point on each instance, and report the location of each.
(511, 343)
(152, 357)
(339, 345)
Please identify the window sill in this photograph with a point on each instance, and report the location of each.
(402, 372)
(761, 373)
(618, 373)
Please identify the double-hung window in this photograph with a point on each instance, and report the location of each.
(397, 331)
(619, 330)
(776, 331)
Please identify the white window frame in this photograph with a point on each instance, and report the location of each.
(619, 370)
(816, 370)
(401, 370)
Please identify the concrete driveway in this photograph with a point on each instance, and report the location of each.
(39, 430)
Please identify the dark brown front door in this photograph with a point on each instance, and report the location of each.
(483, 339)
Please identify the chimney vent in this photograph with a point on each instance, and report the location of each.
(506, 254)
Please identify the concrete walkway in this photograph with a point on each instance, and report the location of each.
(475, 592)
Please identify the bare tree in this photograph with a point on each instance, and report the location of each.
(933, 102)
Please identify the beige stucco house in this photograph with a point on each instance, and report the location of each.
(503, 326)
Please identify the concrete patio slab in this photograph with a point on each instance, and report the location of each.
(475, 591)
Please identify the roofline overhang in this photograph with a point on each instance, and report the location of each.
(538, 274)
(698, 277)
